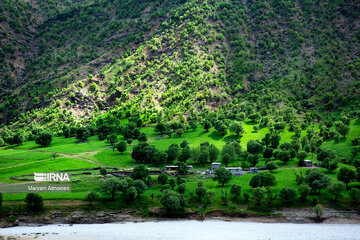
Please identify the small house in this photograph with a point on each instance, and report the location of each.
(208, 172)
(307, 163)
(236, 171)
(171, 168)
(215, 165)
(189, 167)
(253, 170)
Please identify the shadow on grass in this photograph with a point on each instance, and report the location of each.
(215, 136)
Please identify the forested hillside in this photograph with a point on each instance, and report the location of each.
(82, 58)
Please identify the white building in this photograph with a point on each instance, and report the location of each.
(236, 171)
(307, 163)
(215, 165)
(253, 170)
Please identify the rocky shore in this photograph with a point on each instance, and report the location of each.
(286, 215)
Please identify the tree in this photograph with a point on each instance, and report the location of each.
(317, 180)
(268, 153)
(254, 147)
(253, 159)
(206, 125)
(172, 183)
(161, 128)
(1, 142)
(225, 159)
(301, 156)
(182, 168)
(330, 165)
(263, 179)
(318, 210)
(142, 137)
(112, 139)
(44, 139)
(258, 195)
(162, 179)
(171, 200)
(103, 171)
(34, 201)
(284, 156)
(287, 194)
(235, 191)
(140, 172)
(82, 133)
(121, 146)
(346, 175)
(237, 128)
(131, 193)
(213, 153)
(172, 152)
(66, 131)
(193, 125)
(181, 188)
(124, 184)
(18, 138)
(185, 154)
(354, 193)
(222, 175)
(275, 140)
(342, 128)
(200, 191)
(109, 187)
(272, 166)
(91, 197)
(140, 187)
(336, 189)
(184, 144)
(304, 190)
(179, 132)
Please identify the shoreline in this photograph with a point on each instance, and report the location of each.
(287, 215)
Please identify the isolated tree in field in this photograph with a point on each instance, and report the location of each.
(162, 179)
(272, 166)
(284, 156)
(254, 147)
(317, 180)
(237, 128)
(330, 165)
(109, 187)
(258, 195)
(263, 179)
(44, 139)
(140, 187)
(222, 175)
(200, 191)
(34, 201)
(142, 137)
(91, 197)
(140, 172)
(287, 194)
(18, 138)
(253, 159)
(112, 139)
(82, 133)
(346, 175)
(235, 191)
(304, 191)
(121, 146)
(171, 200)
(336, 189)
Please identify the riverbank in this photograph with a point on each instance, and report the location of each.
(286, 215)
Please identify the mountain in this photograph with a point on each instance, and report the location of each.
(75, 61)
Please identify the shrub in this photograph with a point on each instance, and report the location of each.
(44, 139)
(91, 197)
(34, 201)
(287, 194)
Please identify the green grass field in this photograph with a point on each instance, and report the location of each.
(29, 158)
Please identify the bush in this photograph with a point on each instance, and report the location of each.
(172, 201)
(34, 201)
(162, 179)
(181, 188)
(131, 193)
(222, 175)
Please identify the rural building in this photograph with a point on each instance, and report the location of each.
(208, 172)
(236, 171)
(307, 163)
(253, 170)
(174, 167)
(215, 165)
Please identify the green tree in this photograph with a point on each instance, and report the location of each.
(263, 179)
(131, 193)
(354, 193)
(287, 194)
(162, 179)
(268, 152)
(181, 188)
(140, 172)
(272, 166)
(140, 187)
(34, 201)
(121, 146)
(18, 138)
(336, 189)
(171, 200)
(342, 128)
(103, 171)
(317, 180)
(179, 132)
(304, 191)
(301, 156)
(254, 147)
(346, 175)
(222, 175)
(206, 125)
(318, 210)
(44, 139)
(213, 153)
(330, 165)
(91, 197)
(258, 195)
(235, 191)
(109, 187)
(237, 128)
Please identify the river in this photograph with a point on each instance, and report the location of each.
(187, 230)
